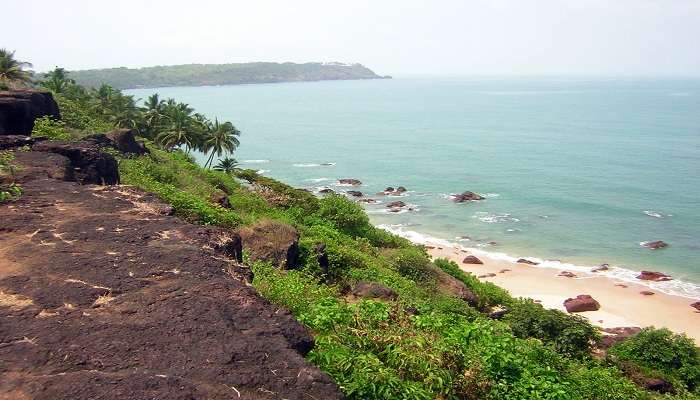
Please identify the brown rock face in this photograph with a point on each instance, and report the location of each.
(658, 385)
(12, 141)
(653, 276)
(19, 109)
(616, 335)
(466, 196)
(123, 140)
(396, 204)
(449, 284)
(119, 301)
(581, 303)
(373, 290)
(655, 245)
(350, 181)
(326, 191)
(90, 165)
(696, 305)
(471, 260)
(273, 242)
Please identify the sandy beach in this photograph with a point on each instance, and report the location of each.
(621, 303)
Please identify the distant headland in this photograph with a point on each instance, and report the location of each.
(221, 74)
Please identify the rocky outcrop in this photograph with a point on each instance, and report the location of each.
(454, 287)
(658, 385)
(567, 274)
(354, 193)
(655, 245)
(123, 140)
(471, 260)
(19, 109)
(653, 276)
(601, 267)
(581, 303)
(273, 242)
(396, 204)
(696, 305)
(326, 191)
(466, 196)
(90, 165)
(322, 258)
(12, 141)
(373, 290)
(39, 165)
(110, 297)
(350, 181)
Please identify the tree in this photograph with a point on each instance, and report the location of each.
(227, 164)
(12, 73)
(180, 127)
(121, 110)
(154, 116)
(220, 138)
(57, 80)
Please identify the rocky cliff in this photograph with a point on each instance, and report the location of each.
(19, 109)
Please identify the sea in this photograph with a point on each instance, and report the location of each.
(575, 171)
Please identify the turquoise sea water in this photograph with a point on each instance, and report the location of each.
(577, 170)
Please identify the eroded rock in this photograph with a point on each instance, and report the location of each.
(471, 260)
(19, 109)
(90, 164)
(373, 290)
(653, 276)
(581, 303)
(272, 241)
(466, 196)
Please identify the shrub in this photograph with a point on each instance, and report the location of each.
(411, 262)
(489, 294)
(48, 128)
(79, 116)
(661, 351)
(571, 335)
(346, 215)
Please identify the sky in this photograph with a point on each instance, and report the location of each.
(396, 37)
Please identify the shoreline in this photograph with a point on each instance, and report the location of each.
(621, 301)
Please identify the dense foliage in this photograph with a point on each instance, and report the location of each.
(219, 74)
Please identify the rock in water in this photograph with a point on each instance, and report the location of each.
(466, 196)
(354, 193)
(396, 204)
(655, 245)
(471, 260)
(19, 109)
(350, 181)
(601, 267)
(581, 303)
(653, 276)
(526, 261)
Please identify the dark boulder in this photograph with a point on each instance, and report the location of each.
(373, 290)
(19, 109)
(653, 276)
(123, 140)
(601, 267)
(696, 305)
(231, 245)
(526, 261)
(647, 293)
(655, 245)
(466, 196)
(659, 385)
(471, 260)
(354, 193)
(90, 165)
(396, 204)
(489, 275)
(498, 313)
(38, 165)
(322, 257)
(221, 199)
(389, 189)
(454, 287)
(612, 336)
(581, 303)
(326, 191)
(349, 181)
(368, 201)
(400, 189)
(14, 141)
(273, 242)
(567, 274)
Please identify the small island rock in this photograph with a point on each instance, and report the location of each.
(653, 276)
(466, 196)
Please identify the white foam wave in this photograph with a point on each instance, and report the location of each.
(494, 218)
(254, 161)
(656, 214)
(262, 171)
(675, 287)
(490, 195)
(316, 180)
(306, 165)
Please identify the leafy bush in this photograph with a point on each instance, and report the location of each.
(489, 294)
(345, 215)
(78, 116)
(661, 351)
(571, 335)
(50, 128)
(411, 262)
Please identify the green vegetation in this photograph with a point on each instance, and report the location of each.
(220, 74)
(9, 190)
(659, 352)
(422, 343)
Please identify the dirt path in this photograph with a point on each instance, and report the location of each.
(103, 296)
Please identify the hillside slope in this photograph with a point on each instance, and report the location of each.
(220, 74)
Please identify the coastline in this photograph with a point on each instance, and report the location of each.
(621, 303)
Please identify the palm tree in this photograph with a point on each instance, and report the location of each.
(121, 110)
(226, 164)
(180, 127)
(220, 138)
(57, 80)
(154, 116)
(12, 73)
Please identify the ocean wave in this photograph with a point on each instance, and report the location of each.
(254, 161)
(656, 214)
(675, 287)
(316, 180)
(494, 218)
(262, 171)
(312, 165)
(490, 195)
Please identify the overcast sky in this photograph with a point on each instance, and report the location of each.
(438, 37)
